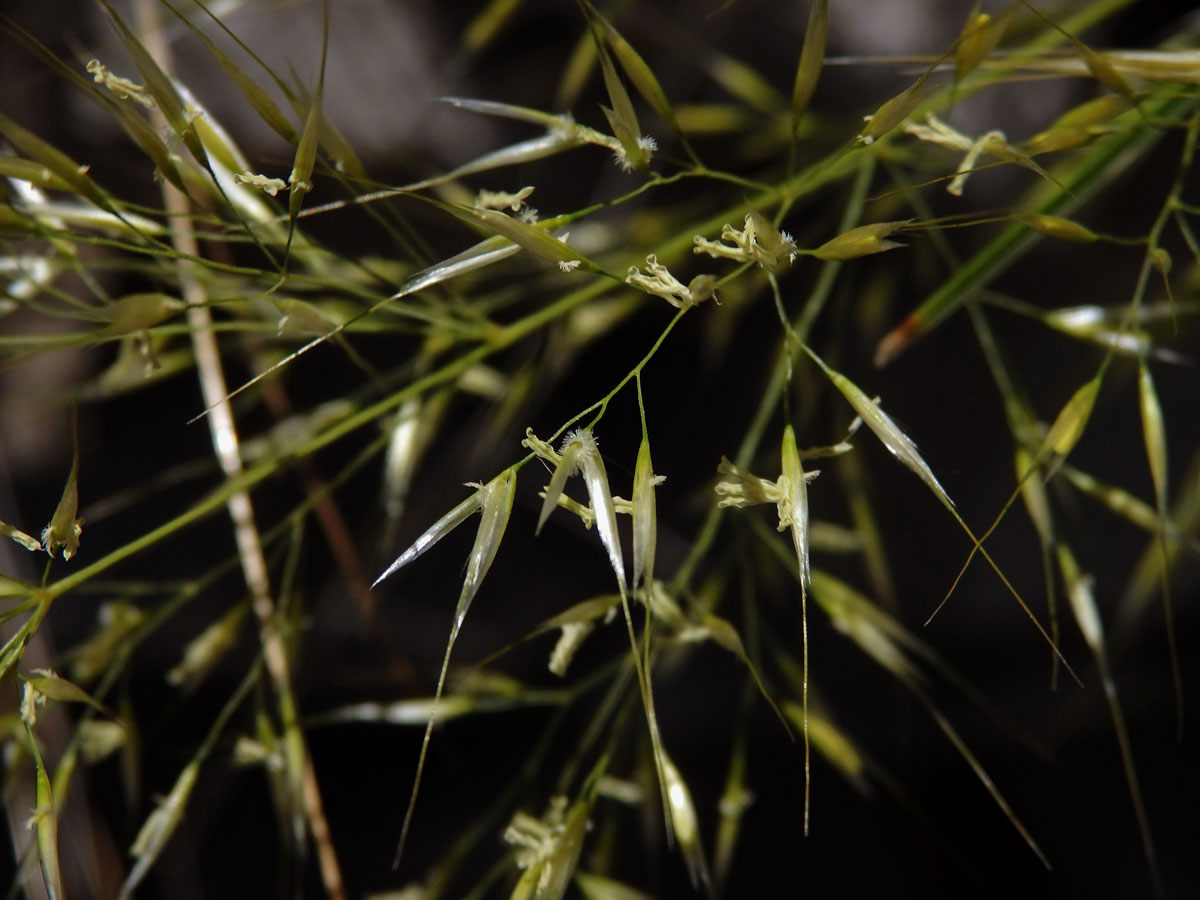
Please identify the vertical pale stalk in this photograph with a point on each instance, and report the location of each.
(241, 511)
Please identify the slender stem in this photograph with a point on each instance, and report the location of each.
(223, 429)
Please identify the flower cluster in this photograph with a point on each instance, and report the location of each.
(658, 281)
(759, 242)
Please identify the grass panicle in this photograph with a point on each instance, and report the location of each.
(324, 245)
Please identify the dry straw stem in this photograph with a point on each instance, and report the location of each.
(222, 427)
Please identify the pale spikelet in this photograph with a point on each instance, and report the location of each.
(1154, 432)
(812, 56)
(400, 461)
(116, 621)
(433, 534)
(495, 499)
(1089, 323)
(685, 822)
(1083, 601)
(1161, 260)
(834, 745)
(206, 649)
(573, 635)
(891, 113)
(49, 684)
(1033, 493)
(542, 448)
(1124, 504)
(635, 67)
(645, 517)
(61, 534)
(956, 185)
(45, 822)
(861, 241)
(26, 275)
(568, 465)
(416, 711)
(597, 887)
(99, 739)
(1070, 423)
(562, 133)
(136, 312)
(531, 238)
(793, 500)
(152, 837)
(1104, 71)
(981, 34)
(635, 150)
(596, 479)
(900, 445)
(1060, 228)
(935, 131)
(857, 618)
(1078, 126)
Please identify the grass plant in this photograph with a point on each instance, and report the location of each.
(922, 308)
